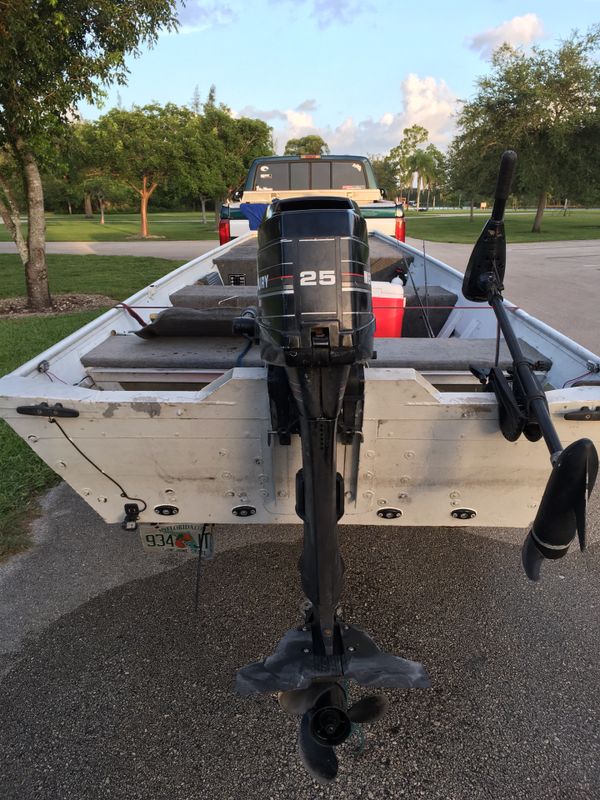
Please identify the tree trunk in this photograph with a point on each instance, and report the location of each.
(36, 271)
(428, 193)
(101, 201)
(145, 195)
(69, 206)
(87, 206)
(471, 214)
(217, 202)
(203, 204)
(12, 220)
(537, 222)
(418, 191)
(565, 207)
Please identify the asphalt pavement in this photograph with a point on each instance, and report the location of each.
(111, 687)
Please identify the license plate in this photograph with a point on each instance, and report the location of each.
(160, 538)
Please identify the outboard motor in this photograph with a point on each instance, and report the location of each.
(316, 321)
(316, 326)
(314, 284)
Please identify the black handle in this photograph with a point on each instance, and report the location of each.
(506, 174)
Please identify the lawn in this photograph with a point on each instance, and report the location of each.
(186, 226)
(24, 474)
(112, 276)
(434, 227)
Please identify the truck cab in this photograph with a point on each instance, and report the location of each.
(281, 177)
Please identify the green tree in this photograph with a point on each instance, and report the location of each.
(435, 171)
(312, 145)
(401, 156)
(54, 53)
(386, 176)
(238, 141)
(156, 145)
(544, 104)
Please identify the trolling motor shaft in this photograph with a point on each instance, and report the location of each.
(524, 409)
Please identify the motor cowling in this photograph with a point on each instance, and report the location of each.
(314, 283)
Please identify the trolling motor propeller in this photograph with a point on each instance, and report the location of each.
(327, 722)
(562, 515)
(523, 406)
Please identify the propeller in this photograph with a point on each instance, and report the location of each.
(561, 514)
(327, 722)
(368, 709)
(320, 760)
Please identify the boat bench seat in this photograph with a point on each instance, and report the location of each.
(440, 303)
(128, 351)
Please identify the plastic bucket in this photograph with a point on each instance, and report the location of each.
(388, 308)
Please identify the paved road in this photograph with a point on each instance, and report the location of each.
(112, 688)
(178, 251)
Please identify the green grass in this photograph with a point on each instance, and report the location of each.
(120, 227)
(112, 276)
(433, 227)
(24, 475)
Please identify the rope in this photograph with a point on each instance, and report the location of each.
(132, 313)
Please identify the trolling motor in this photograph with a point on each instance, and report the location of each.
(523, 408)
(315, 327)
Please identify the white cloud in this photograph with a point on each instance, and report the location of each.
(333, 12)
(329, 12)
(307, 105)
(516, 31)
(198, 15)
(425, 101)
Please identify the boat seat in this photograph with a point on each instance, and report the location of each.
(210, 352)
(440, 303)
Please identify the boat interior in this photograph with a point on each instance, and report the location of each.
(190, 343)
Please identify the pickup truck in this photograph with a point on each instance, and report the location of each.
(279, 177)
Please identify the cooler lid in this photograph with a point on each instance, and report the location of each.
(385, 289)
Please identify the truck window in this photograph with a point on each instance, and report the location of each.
(348, 175)
(299, 176)
(273, 175)
(321, 175)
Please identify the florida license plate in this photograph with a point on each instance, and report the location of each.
(181, 538)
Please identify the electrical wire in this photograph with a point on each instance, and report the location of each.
(100, 470)
(240, 358)
(497, 358)
(572, 380)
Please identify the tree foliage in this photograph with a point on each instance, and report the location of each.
(239, 141)
(386, 176)
(312, 145)
(545, 104)
(54, 53)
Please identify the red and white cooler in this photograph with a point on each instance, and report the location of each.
(388, 307)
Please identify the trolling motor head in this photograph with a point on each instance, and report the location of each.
(485, 270)
(314, 283)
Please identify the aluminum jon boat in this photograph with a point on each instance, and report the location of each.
(247, 385)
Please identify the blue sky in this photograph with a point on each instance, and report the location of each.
(355, 72)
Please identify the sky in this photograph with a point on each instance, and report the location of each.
(356, 72)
